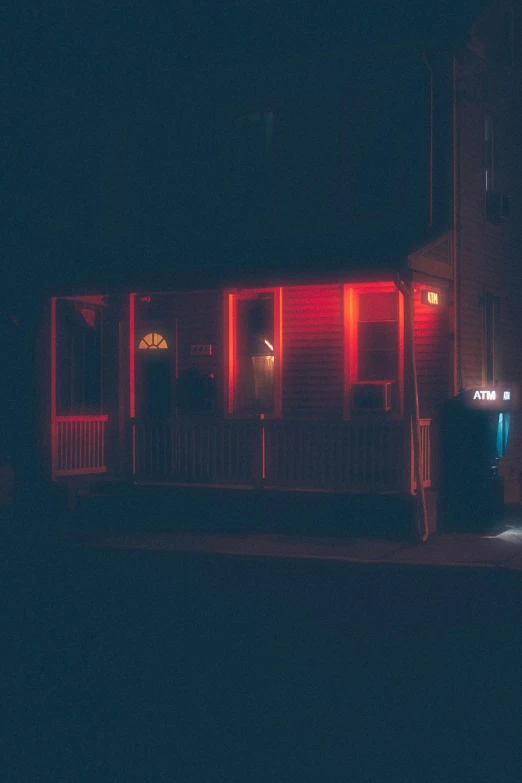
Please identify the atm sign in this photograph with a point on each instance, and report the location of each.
(483, 394)
(430, 297)
(498, 397)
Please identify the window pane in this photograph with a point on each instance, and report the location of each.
(263, 367)
(377, 365)
(378, 336)
(380, 306)
(255, 355)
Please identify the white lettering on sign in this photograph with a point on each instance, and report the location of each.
(485, 395)
(507, 395)
(201, 350)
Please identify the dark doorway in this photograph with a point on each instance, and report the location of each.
(156, 387)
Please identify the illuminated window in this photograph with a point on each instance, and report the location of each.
(152, 341)
(255, 382)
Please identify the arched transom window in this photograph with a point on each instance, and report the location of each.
(152, 341)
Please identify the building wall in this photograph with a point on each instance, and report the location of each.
(199, 317)
(490, 255)
(200, 322)
(432, 353)
(313, 351)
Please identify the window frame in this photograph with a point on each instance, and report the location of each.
(232, 296)
(351, 336)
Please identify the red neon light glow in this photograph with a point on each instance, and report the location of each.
(231, 374)
(278, 352)
(132, 379)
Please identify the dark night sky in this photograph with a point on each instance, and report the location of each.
(80, 78)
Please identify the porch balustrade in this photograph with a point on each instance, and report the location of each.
(357, 456)
(79, 445)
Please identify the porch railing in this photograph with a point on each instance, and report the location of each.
(356, 455)
(203, 451)
(360, 456)
(79, 445)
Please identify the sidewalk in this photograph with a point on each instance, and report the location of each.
(458, 549)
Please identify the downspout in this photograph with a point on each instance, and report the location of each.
(457, 380)
(430, 69)
(407, 292)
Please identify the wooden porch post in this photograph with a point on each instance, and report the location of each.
(408, 400)
(411, 413)
(123, 456)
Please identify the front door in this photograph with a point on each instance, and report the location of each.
(154, 376)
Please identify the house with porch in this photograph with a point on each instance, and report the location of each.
(323, 370)
(297, 387)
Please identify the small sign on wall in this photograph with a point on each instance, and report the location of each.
(498, 397)
(200, 350)
(430, 297)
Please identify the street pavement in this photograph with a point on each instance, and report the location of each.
(141, 656)
(495, 550)
(153, 665)
(267, 525)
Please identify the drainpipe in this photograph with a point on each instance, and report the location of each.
(430, 69)
(407, 292)
(457, 380)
